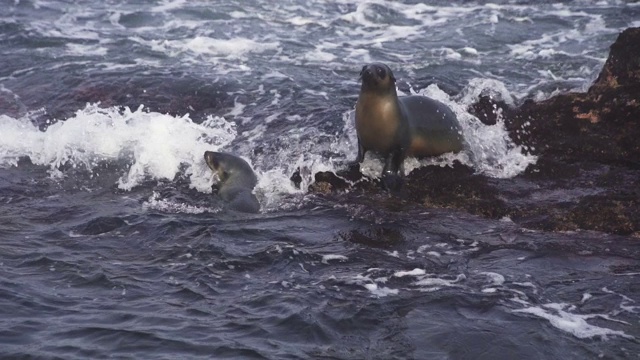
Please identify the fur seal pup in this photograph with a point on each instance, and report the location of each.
(399, 127)
(237, 181)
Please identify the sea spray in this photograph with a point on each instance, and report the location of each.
(150, 144)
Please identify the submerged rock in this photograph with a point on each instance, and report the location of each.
(588, 173)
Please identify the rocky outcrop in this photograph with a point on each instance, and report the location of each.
(588, 173)
(601, 125)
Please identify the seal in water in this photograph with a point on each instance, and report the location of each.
(237, 181)
(400, 127)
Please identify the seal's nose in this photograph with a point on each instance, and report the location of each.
(367, 72)
(211, 159)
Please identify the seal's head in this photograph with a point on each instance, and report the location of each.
(237, 181)
(377, 78)
(214, 161)
(229, 166)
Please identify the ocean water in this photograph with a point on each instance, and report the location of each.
(112, 245)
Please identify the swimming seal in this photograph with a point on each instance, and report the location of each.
(399, 127)
(237, 181)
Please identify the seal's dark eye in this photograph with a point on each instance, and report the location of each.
(380, 72)
(363, 69)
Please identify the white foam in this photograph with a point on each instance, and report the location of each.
(320, 55)
(493, 88)
(380, 291)
(234, 47)
(414, 272)
(451, 54)
(490, 149)
(317, 93)
(239, 14)
(212, 48)
(469, 51)
(423, 248)
(168, 5)
(146, 141)
(393, 253)
(84, 50)
(228, 54)
(238, 108)
(438, 282)
(329, 257)
(273, 185)
(496, 279)
(574, 324)
(625, 305)
(300, 21)
(364, 26)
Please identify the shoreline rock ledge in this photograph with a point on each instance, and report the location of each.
(587, 176)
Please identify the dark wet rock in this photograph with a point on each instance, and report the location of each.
(456, 187)
(601, 125)
(588, 172)
(609, 213)
(488, 110)
(296, 178)
(326, 181)
(623, 64)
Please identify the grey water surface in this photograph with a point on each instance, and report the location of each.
(112, 246)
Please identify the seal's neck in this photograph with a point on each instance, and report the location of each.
(377, 120)
(377, 90)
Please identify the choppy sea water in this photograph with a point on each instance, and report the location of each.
(113, 247)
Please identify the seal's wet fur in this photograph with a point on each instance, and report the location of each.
(237, 181)
(399, 127)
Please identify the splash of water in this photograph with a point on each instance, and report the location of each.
(158, 146)
(490, 150)
(153, 145)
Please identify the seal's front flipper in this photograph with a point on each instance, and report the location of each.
(391, 174)
(393, 162)
(361, 152)
(392, 182)
(355, 165)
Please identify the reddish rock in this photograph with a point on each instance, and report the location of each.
(602, 125)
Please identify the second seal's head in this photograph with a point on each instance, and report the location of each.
(377, 77)
(230, 168)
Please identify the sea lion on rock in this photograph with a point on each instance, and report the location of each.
(399, 127)
(237, 181)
